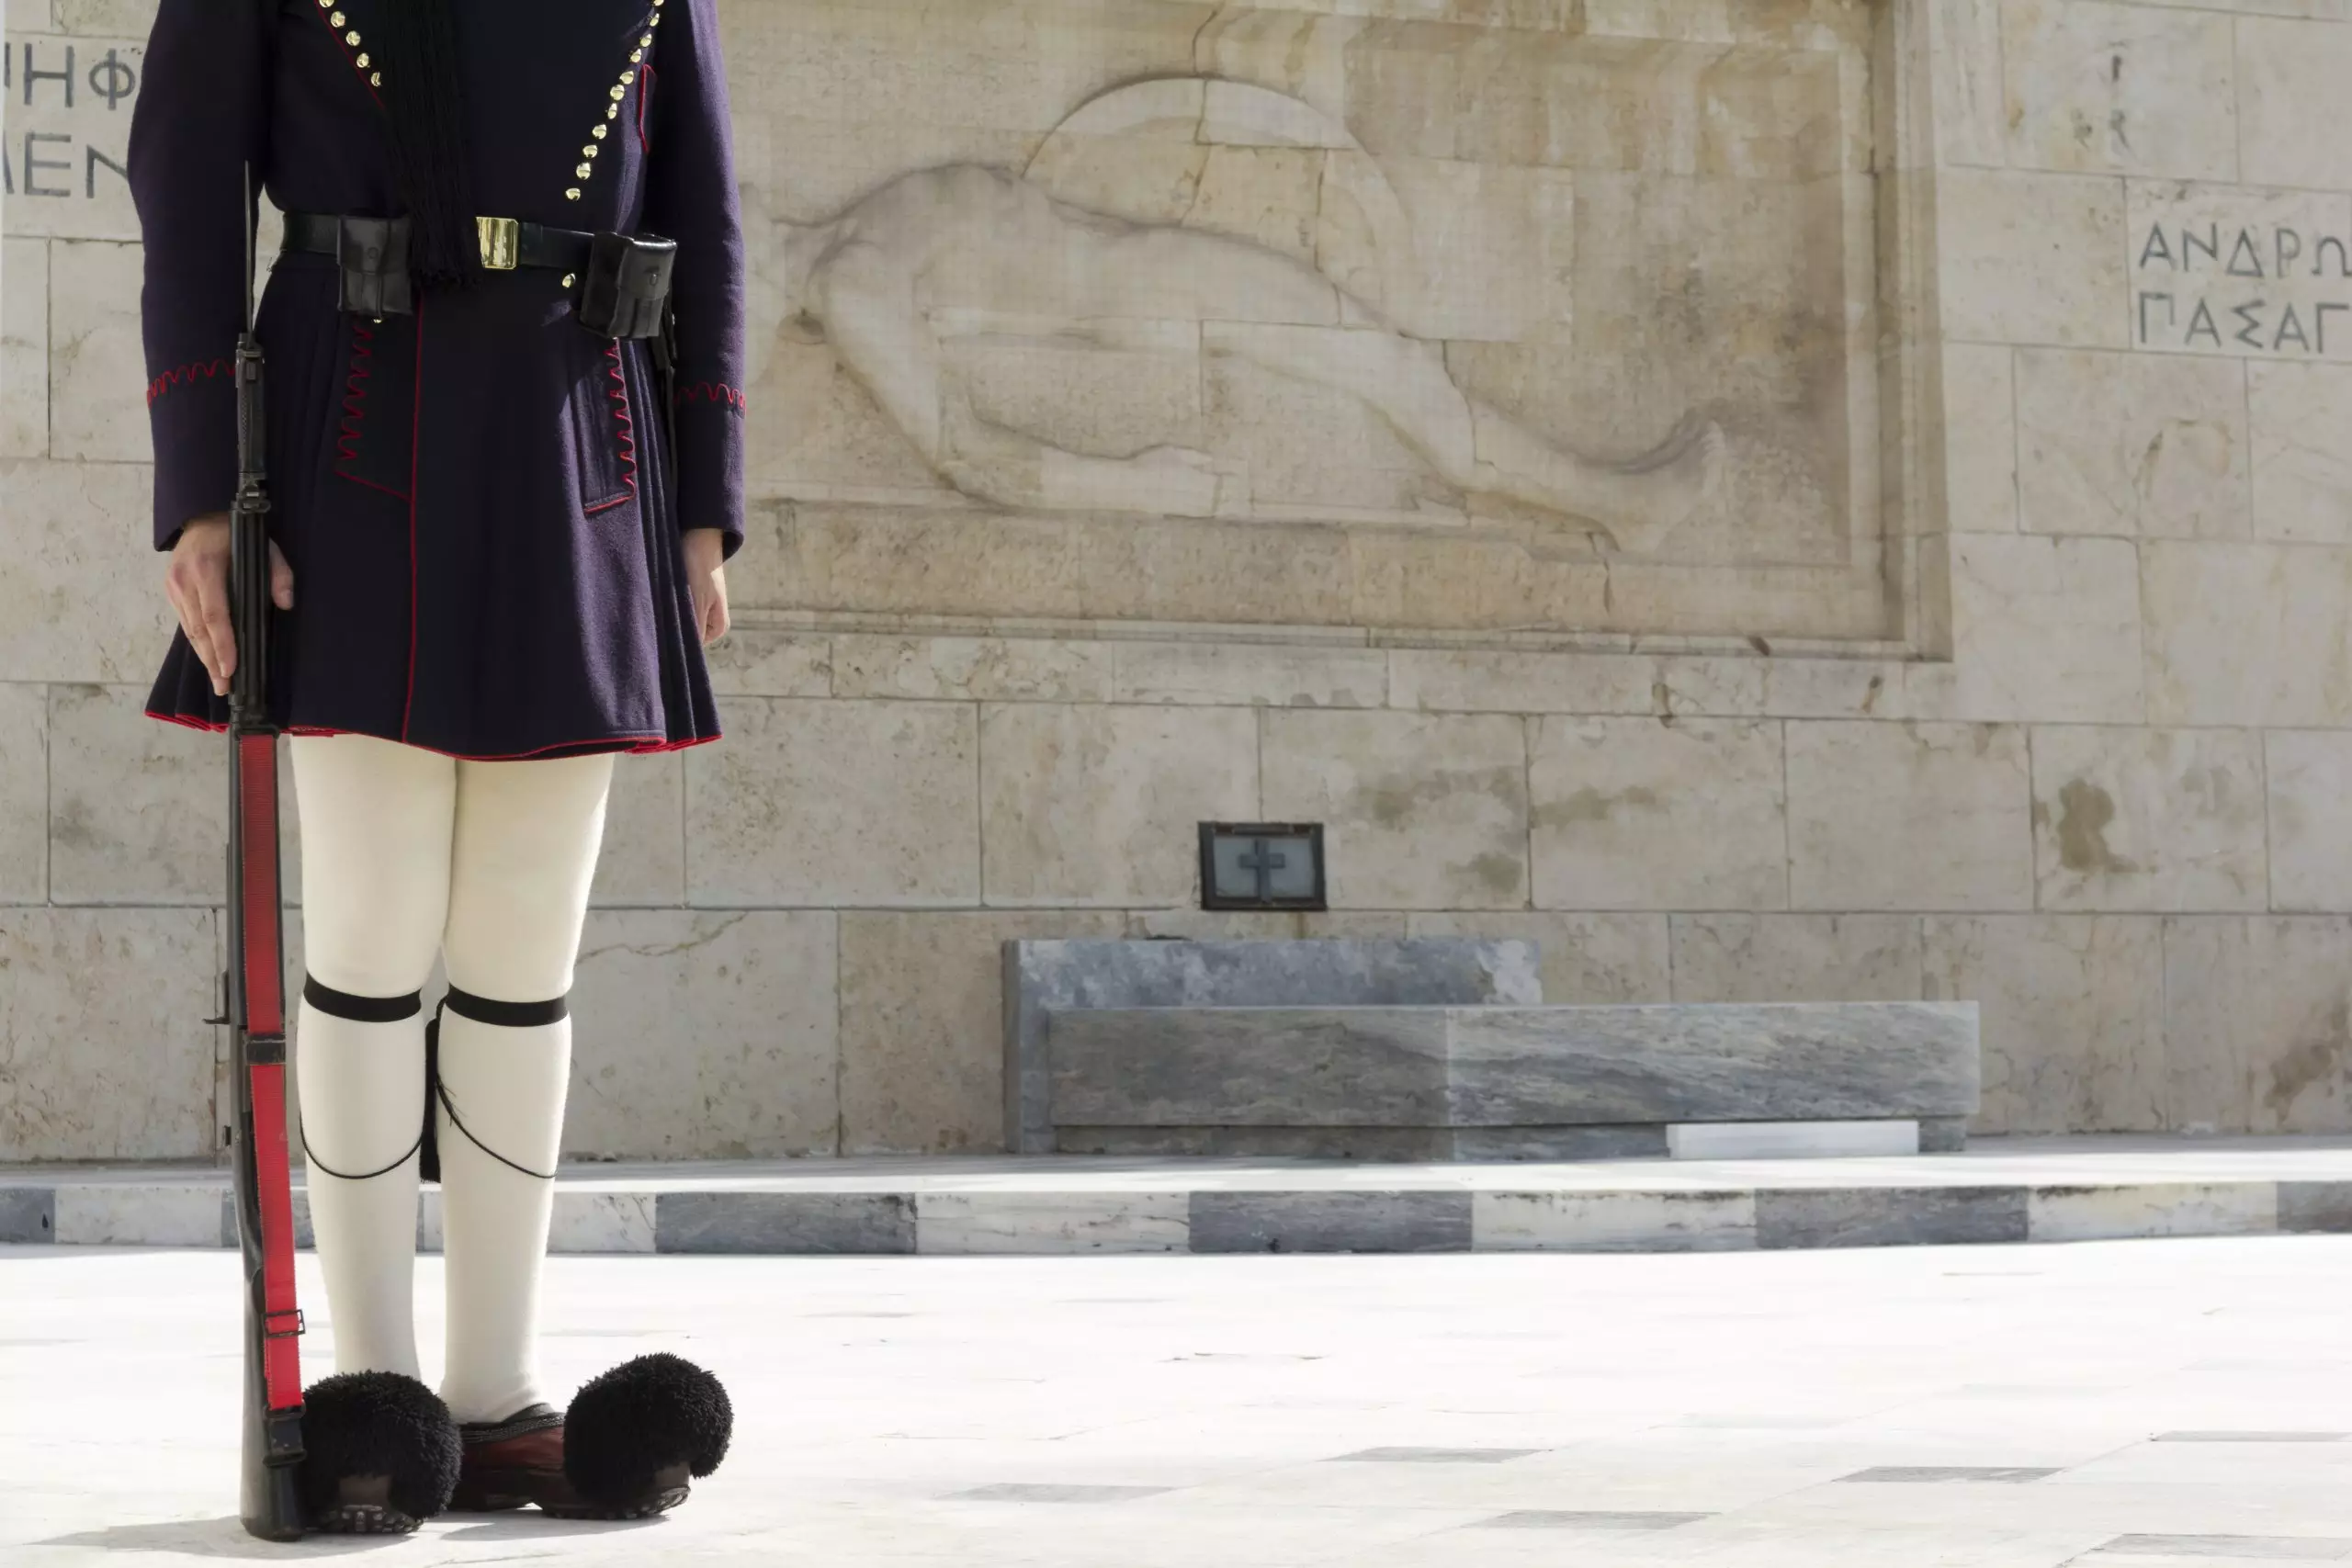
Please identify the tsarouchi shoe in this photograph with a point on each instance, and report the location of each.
(380, 1454)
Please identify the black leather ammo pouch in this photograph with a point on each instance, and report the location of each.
(625, 288)
(370, 262)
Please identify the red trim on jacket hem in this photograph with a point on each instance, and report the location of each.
(631, 745)
(208, 368)
(711, 391)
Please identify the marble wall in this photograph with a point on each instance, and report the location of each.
(2002, 649)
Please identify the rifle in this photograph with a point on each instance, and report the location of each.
(271, 1498)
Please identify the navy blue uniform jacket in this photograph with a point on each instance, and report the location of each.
(475, 500)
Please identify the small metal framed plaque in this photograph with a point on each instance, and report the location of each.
(1262, 865)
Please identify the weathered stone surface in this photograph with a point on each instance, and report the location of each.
(2247, 634)
(2310, 778)
(2287, 76)
(1795, 958)
(1510, 1067)
(1586, 958)
(2099, 1214)
(1615, 1222)
(2032, 258)
(765, 661)
(1257, 674)
(924, 1042)
(1642, 813)
(2303, 474)
(1043, 977)
(983, 668)
(1330, 1221)
(797, 1222)
(1922, 1216)
(2104, 88)
(2072, 1017)
(103, 1052)
(1422, 812)
(82, 600)
(1101, 805)
(138, 811)
(1981, 438)
(1859, 797)
(2236, 272)
(24, 794)
(2132, 444)
(24, 348)
(706, 1034)
(2149, 820)
(1485, 681)
(1796, 1061)
(643, 861)
(844, 803)
(96, 367)
(2254, 1018)
(1032, 1224)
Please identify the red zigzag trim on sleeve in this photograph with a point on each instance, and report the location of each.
(207, 368)
(711, 391)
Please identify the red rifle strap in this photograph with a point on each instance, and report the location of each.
(257, 811)
(264, 966)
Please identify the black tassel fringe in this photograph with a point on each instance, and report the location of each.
(424, 91)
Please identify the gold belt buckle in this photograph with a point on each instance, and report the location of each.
(500, 240)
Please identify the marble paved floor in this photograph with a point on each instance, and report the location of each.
(2182, 1403)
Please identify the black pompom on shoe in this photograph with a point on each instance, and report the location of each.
(634, 1434)
(380, 1454)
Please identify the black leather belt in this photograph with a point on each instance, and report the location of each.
(506, 243)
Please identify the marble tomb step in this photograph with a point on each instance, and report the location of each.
(1514, 1082)
(2002, 1191)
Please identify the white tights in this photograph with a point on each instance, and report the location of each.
(406, 853)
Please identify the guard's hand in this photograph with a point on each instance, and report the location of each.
(198, 584)
(705, 550)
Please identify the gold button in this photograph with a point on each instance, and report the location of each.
(645, 42)
(334, 18)
(636, 54)
(572, 195)
(376, 78)
(589, 151)
(568, 280)
(626, 77)
(598, 133)
(619, 93)
(350, 38)
(583, 170)
(612, 111)
(361, 62)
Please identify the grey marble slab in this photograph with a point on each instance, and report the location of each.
(1513, 1067)
(1432, 1456)
(1916, 1216)
(1932, 1475)
(1331, 1221)
(784, 1222)
(1588, 1520)
(1043, 976)
(1054, 1491)
(28, 1214)
(1393, 1143)
(2237, 1548)
(2315, 1207)
(1721, 1062)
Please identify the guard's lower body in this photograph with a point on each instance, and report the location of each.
(406, 854)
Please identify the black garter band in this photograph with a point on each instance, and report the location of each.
(392, 1009)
